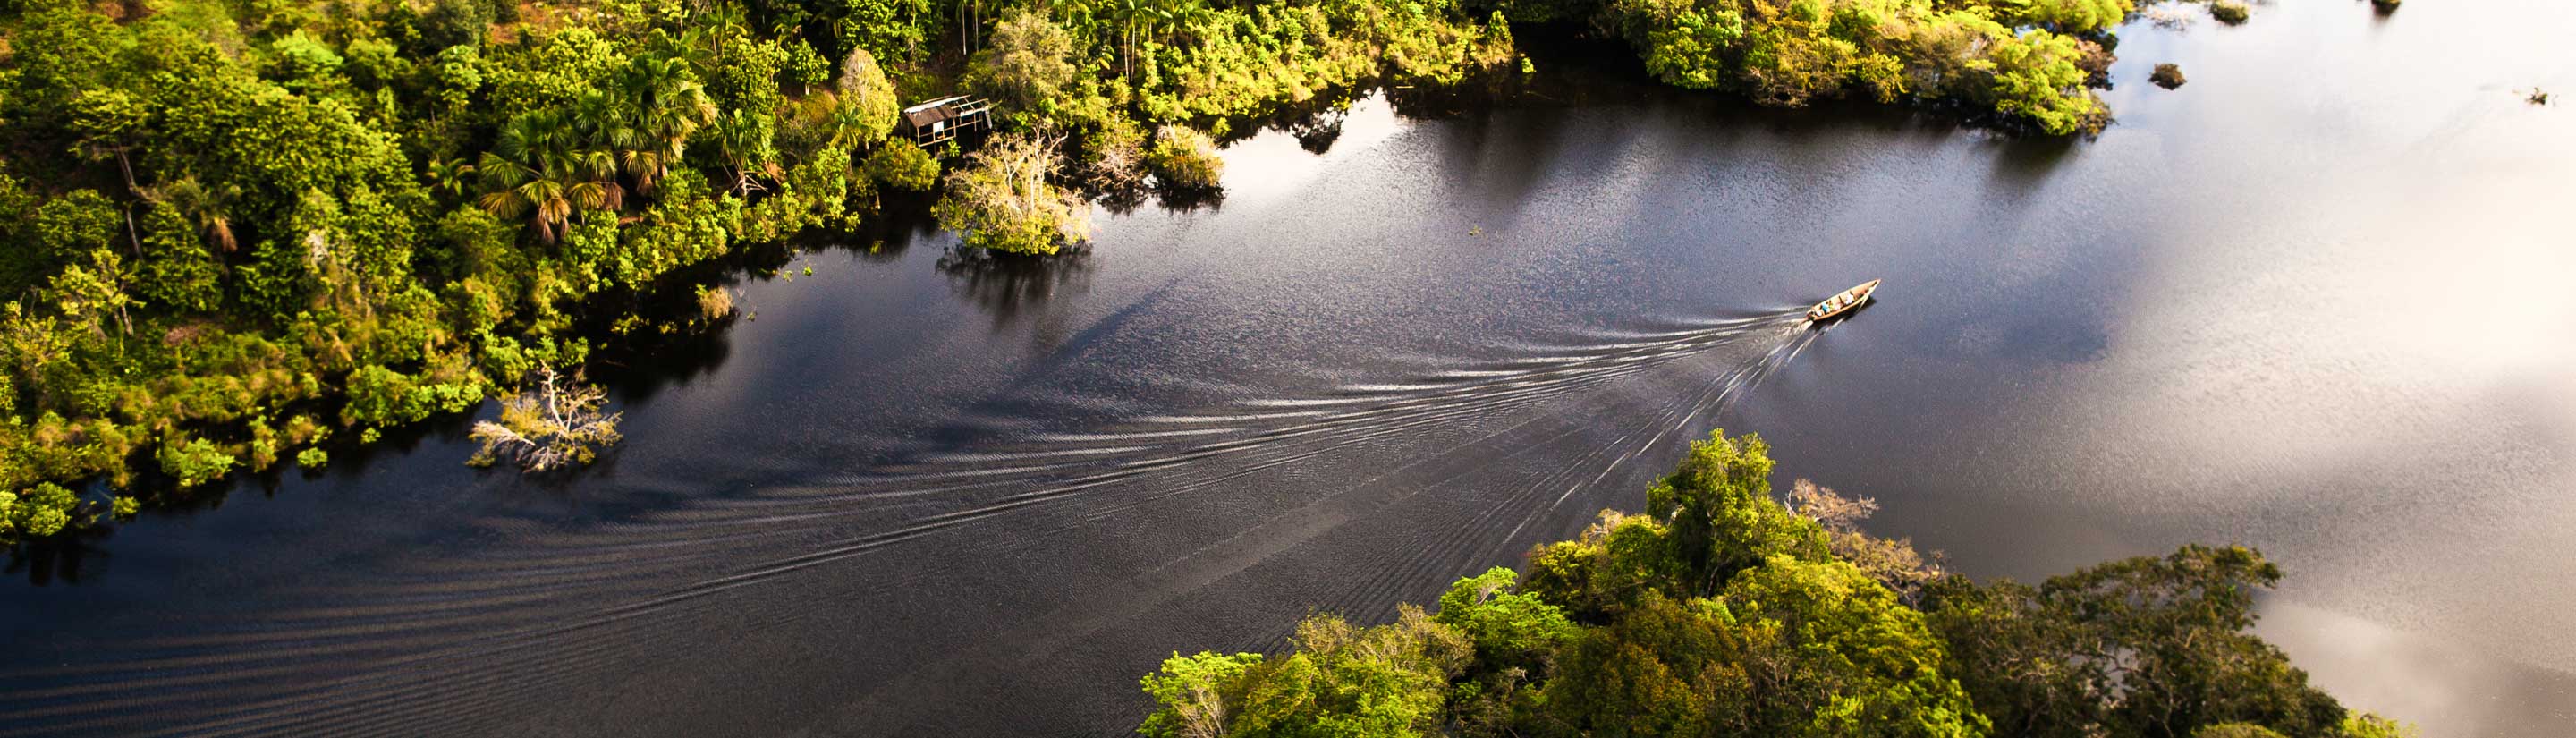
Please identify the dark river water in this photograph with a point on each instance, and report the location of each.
(2313, 301)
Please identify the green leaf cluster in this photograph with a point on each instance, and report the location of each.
(41, 511)
(215, 216)
(2021, 62)
(1184, 158)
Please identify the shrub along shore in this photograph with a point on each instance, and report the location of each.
(232, 231)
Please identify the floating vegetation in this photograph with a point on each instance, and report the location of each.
(715, 303)
(2229, 12)
(2167, 76)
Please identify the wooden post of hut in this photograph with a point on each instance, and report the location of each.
(942, 119)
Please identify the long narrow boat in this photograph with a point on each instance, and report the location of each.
(1843, 303)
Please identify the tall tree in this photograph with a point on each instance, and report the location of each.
(2150, 646)
(1028, 65)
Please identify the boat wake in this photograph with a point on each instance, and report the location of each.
(466, 642)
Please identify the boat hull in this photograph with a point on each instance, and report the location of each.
(1844, 303)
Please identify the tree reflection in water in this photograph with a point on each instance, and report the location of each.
(69, 557)
(1004, 284)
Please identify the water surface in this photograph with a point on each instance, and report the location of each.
(2308, 302)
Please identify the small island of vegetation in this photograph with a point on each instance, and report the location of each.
(2167, 76)
(1720, 611)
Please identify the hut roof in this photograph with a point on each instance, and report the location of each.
(946, 108)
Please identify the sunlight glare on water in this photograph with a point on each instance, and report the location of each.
(2312, 302)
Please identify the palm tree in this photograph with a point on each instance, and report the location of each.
(725, 20)
(608, 136)
(1181, 22)
(536, 170)
(694, 47)
(846, 122)
(449, 177)
(743, 138)
(209, 208)
(1127, 12)
(670, 106)
(1141, 18)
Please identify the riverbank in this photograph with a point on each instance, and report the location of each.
(281, 237)
(2087, 357)
(277, 233)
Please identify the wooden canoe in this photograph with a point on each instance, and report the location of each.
(1843, 303)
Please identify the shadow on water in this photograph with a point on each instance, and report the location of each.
(74, 558)
(1179, 201)
(2025, 162)
(901, 220)
(1005, 285)
(351, 460)
(641, 368)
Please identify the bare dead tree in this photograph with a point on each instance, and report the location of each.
(1893, 562)
(553, 423)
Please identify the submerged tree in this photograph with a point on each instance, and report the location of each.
(1002, 199)
(902, 165)
(42, 511)
(553, 424)
(1185, 159)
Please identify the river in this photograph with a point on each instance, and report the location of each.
(2313, 301)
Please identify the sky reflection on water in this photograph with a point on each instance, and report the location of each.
(2310, 301)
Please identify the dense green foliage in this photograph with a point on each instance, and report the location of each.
(2026, 62)
(227, 229)
(1085, 78)
(260, 222)
(1720, 611)
(1789, 52)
